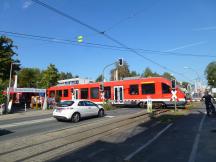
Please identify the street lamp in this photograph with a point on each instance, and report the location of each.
(9, 86)
(120, 63)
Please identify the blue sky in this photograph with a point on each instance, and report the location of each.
(183, 26)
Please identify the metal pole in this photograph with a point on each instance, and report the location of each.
(103, 77)
(8, 94)
(175, 105)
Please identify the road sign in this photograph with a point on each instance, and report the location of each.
(174, 95)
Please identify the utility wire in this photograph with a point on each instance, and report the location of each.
(99, 32)
(97, 45)
(46, 39)
(129, 17)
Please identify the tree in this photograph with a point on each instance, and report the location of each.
(50, 76)
(210, 73)
(63, 75)
(148, 73)
(134, 73)
(29, 77)
(123, 71)
(99, 78)
(168, 76)
(6, 58)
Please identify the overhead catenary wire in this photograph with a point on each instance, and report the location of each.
(42, 38)
(102, 33)
(97, 45)
(130, 17)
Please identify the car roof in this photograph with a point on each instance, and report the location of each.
(77, 100)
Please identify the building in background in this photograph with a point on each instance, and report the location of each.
(73, 81)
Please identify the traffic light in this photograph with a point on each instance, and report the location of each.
(173, 83)
(80, 39)
(101, 87)
(121, 62)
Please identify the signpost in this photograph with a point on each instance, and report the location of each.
(174, 97)
(149, 105)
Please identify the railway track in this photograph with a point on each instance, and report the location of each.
(45, 146)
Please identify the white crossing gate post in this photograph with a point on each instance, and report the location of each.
(149, 105)
(174, 98)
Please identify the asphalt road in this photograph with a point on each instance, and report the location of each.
(150, 142)
(19, 127)
(185, 139)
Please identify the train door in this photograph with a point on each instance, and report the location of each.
(118, 94)
(76, 94)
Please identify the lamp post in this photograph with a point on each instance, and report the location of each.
(120, 61)
(9, 86)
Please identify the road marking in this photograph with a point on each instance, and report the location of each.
(130, 156)
(25, 123)
(196, 141)
(96, 152)
(109, 116)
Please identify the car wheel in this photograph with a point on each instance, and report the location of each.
(58, 119)
(101, 113)
(75, 117)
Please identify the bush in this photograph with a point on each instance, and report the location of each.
(3, 98)
(107, 105)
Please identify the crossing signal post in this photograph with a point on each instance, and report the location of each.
(102, 87)
(121, 62)
(174, 92)
(173, 84)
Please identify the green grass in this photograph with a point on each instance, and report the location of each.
(172, 116)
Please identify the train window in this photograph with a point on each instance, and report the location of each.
(165, 88)
(107, 92)
(65, 93)
(59, 93)
(148, 88)
(94, 93)
(84, 93)
(52, 94)
(134, 89)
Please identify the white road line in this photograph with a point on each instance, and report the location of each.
(130, 156)
(109, 116)
(192, 157)
(25, 123)
(95, 153)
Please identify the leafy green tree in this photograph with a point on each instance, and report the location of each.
(149, 73)
(134, 73)
(210, 73)
(50, 77)
(29, 77)
(168, 76)
(99, 78)
(63, 75)
(6, 58)
(123, 71)
(2, 96)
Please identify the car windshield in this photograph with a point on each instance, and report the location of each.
(65, 103)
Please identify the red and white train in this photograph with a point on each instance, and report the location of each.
(123, 92)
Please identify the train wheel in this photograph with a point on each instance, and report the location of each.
(141, 105)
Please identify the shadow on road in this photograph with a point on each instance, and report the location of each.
(117, 146)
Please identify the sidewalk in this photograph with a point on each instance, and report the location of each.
(23, 114)
(207, 145)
